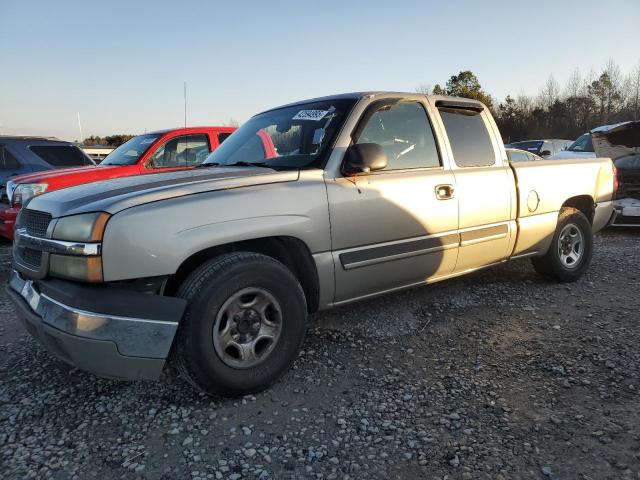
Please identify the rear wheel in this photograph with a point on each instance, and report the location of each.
(244, 324)
(569, 255)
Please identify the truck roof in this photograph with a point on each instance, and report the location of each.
(359, 95)
(29, 137)
(167, 130)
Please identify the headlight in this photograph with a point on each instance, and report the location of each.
(25, 191)
(84, 228)
(87, 227)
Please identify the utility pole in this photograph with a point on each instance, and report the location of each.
(185, 103)
(80, 128)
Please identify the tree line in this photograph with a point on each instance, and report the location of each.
(566, 112)
(119, 139)
(109, 140)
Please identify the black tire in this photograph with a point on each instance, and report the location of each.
(207, 290)
(551, 264)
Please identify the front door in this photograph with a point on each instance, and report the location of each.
(397, 226)
(178, 153)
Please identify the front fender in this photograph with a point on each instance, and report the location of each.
(155, 239)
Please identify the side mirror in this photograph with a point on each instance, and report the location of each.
(545, 153)
(364, 158)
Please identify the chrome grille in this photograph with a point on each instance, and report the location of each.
(35, 222)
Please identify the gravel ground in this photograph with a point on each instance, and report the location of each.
(499, 374)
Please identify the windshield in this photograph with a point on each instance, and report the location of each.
(582, 144)
(287, 138)
(532, 146)
(130, 152)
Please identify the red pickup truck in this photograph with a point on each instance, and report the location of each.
(161, 151)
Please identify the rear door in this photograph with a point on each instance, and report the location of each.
(485, 185)
(394, 227)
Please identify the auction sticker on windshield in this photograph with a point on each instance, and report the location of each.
(310, 115)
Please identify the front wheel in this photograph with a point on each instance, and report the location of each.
(569, 255)
(244, 324)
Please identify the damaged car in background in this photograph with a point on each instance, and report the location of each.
(621, 143)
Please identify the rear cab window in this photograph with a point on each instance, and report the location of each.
(223, 136)
(469, 138)
(61, 155)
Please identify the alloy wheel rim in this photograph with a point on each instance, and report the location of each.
(247, 328)
(570, 246)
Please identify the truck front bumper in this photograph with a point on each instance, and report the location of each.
(110, 332)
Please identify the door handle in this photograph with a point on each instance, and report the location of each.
(444, 192)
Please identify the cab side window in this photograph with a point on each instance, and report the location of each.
(469, 138)
(183, 151)
(404, 132)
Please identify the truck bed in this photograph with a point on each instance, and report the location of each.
(542, 188)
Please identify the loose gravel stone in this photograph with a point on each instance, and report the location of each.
(497, 375)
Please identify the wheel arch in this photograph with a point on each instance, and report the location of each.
(583, 203)
(290, 251)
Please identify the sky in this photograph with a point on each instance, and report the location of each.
(122, 64)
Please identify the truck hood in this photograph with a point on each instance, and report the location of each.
(118, 194)
(46, 176)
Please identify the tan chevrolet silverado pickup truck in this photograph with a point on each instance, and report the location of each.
(218, 267)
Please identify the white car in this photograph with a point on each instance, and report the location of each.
(581, 148)
(542, 148)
